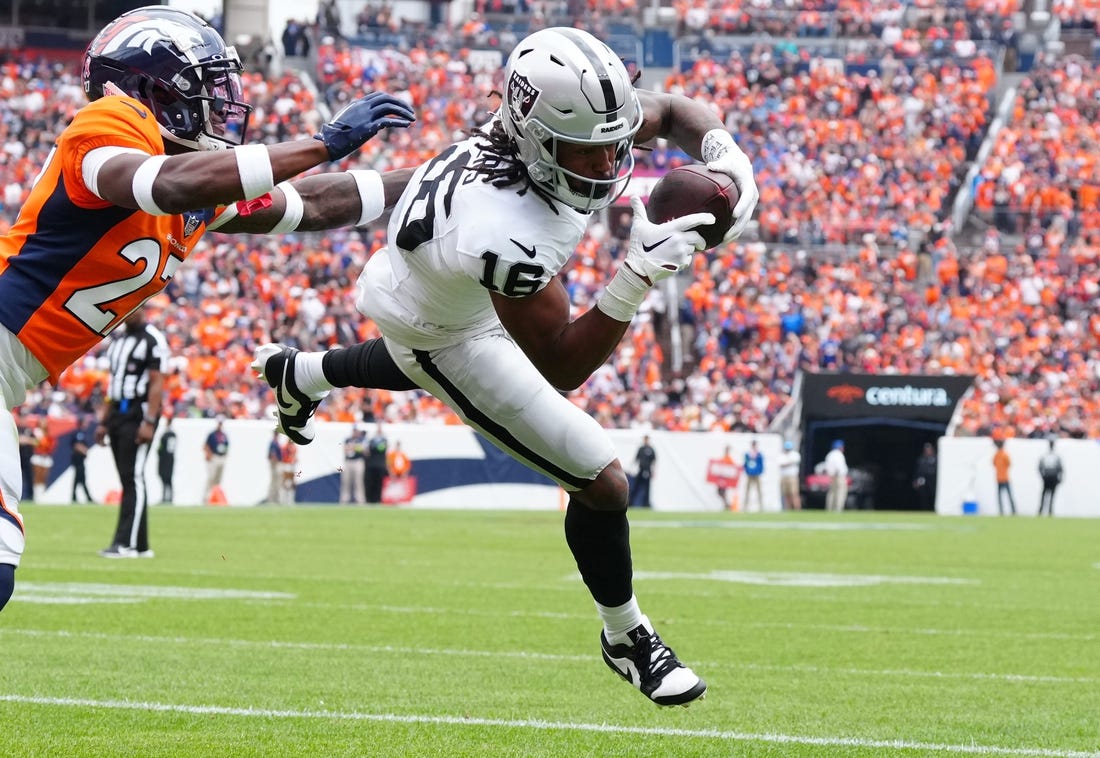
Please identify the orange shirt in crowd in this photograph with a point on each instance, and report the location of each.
(1001, 463)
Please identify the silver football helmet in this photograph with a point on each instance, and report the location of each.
(564, 85)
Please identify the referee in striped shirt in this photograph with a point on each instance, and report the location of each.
(138, 357)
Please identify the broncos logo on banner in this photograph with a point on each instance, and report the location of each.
(844, 393)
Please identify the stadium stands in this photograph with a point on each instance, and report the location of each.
(862, 125)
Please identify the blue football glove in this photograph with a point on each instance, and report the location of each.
(360, 120)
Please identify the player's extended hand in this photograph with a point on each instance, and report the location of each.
(360, 120)
(738, 167)
(658, 251)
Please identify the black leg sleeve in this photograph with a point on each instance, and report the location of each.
(7, 583)
(368, 365)
(600, 541)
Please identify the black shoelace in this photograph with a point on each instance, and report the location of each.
(654, 657)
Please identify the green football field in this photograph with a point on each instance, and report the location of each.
(337, 631)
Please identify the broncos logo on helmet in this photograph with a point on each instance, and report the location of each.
(179, 67)
(183, 37)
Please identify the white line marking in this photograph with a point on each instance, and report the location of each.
(713, 734)
(806, 526)
(526, 655)
(801, 578)
(859, 628)
(88, 592)
(1028, 678)
(276, 644)
(722, 622)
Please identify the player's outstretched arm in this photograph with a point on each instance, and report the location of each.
(322, 201)
(166, 185)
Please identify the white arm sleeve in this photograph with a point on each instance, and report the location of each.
(94, 160)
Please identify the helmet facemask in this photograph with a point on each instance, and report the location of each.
(581, 192)
(215, 116)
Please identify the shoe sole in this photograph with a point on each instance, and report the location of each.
(684, 699)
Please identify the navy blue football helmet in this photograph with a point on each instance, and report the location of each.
(179, 67)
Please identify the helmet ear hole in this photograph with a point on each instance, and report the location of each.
(159, 95)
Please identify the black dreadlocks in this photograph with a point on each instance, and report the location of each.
(499, 163)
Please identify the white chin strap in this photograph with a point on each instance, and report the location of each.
(203, 142)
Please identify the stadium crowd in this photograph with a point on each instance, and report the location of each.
(852, 267)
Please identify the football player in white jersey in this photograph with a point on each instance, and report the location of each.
(468, 299)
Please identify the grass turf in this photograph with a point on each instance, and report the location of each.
(337, 631)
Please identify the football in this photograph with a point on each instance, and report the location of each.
(695, 189)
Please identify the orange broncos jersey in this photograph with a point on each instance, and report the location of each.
(74, 266)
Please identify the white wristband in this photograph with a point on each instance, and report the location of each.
(623, 295)
(142, 185)
(254, 168)
(295, 209)
(372, 194)
(716, 143)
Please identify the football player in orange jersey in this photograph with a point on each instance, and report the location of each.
(153, 161)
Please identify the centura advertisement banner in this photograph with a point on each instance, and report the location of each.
(920, 397)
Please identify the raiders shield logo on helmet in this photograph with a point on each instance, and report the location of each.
(521, 94)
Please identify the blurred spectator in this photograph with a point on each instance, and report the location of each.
(753, 466)
(730, 501)
(166, 461)
(42, 459)
(1050, 471)
(1002, 464)
(836, 467)
(288, 468)
(82, 440)
(924, 478)
(645, 462)
(376, 468)
(398, 462)
(275, 466)
(328, 18)
(790, 470)
(27, 426)
(215, 449)
(295, 39)
(353, 471)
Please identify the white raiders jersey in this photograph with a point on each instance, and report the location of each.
(453, 238)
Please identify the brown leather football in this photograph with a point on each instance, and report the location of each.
(695, 189)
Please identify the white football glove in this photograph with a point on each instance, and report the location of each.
(729, 159)
(658, 251)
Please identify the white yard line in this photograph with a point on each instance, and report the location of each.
(802, 526)
(931, 631)
(527, 655)
(84, 593)
(738, 623)
(703, 734)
